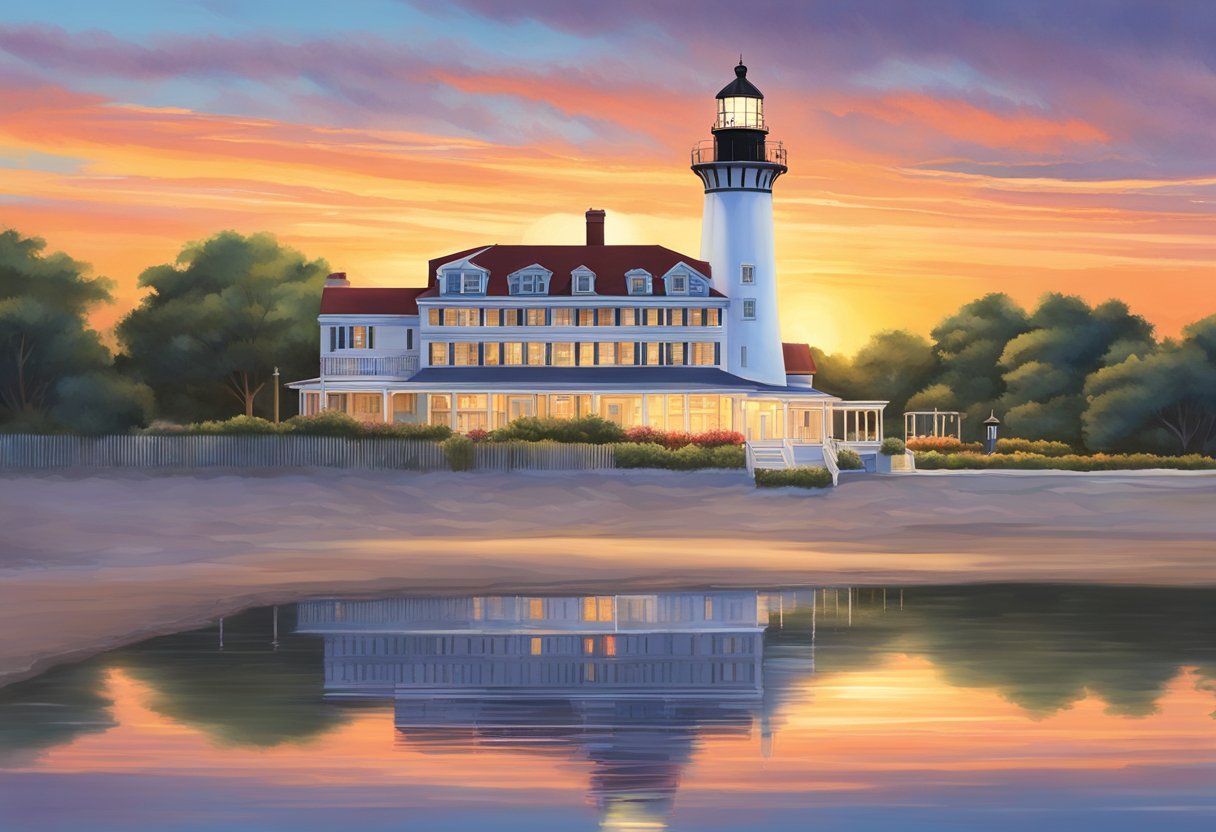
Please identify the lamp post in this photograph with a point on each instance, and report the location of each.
(990, 431)
(276, 395)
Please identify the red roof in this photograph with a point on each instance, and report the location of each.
(345, 300)
(798, 359)
(608, 262)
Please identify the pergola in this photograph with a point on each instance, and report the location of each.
(933, 423)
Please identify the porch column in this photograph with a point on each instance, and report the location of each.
(595, 404)
(385, 403)
(686, 415)
(490, 411)
(785, 418)
(645, 410)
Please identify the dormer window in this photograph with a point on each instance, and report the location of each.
(534, 280)
(638, 282)
(682, 279)
(470, 283)
(583, 281)
(677, 284)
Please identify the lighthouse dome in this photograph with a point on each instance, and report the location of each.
(740, 87)
(740, 104)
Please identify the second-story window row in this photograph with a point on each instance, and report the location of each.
(352, 337)
(580, 316)
(575, 354)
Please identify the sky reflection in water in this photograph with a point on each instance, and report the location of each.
(990, 707)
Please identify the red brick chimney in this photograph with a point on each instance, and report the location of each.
(337, 279)
(595, 226)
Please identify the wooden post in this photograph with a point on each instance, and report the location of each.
(276, 395)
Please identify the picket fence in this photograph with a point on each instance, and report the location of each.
(19, 451)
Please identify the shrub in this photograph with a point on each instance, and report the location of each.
(849, 460)
(1046, 447)
(718, 439)
(326, 423)
(236, 426)
(101, 402)
(941, 444)
(688, 458)
(459, 452)
(407, 430)
(646, 435)
(803, 477)
(892, 446)
(591, 429)
(478, 435)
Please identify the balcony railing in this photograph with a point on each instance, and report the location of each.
(704, 152)
(393, 366)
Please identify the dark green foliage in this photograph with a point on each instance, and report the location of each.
(891, 367)
(101, 402)
(1164, 399)
(589, 429)
(215, 324)
(968, 346)
(805, 477)
(1046, 366)
(239, 426)
(687, 458)
(892, 446)
(930, 460)
(434, 433)
(48, 354)
(460, 452)
(326, 423)
(849, 460)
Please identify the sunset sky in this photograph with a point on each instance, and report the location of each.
(938, 150)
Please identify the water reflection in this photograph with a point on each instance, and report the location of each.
(659, 709)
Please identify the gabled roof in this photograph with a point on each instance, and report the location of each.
(345, 300)
(610, 263)
(798, 359)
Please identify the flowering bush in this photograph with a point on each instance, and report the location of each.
(930, 460)
(478, 435)
(678, 439)
(941, 444)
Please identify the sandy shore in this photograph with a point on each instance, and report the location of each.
(89, 562)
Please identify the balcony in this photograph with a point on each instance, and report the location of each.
(393, 366)
(704, 152)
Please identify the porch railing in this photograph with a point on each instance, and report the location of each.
(392, 366)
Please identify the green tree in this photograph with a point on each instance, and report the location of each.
(891, 367)
(967, 346)
(215, 324)
(47, 348)
(1164, 398)
(1046, 366)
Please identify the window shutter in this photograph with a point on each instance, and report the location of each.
(333, 338)
(717, 352)
(371, 337)
(409, 339)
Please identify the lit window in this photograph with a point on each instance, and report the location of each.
(536, 608)
(654, 317)
(651, 355)
(435, 316)
(588, 646)
(358, 337)
(624, 352)
(609, 645)
(586, 317)
(696, 317)
(493, 317)
(535, 646)
(605, 317)
(465, 354)
(607, 354)
(703, 353)
(535, 317)
(629, 317)
(439, 354)
(677, 354)
(513, 354)
(713, 317)
(586, 355)
(709, 608)
(563, 355)
(563, 317)
(536, 354)
(747, 274)
(490, 354)
(749, 309)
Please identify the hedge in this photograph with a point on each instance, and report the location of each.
(931, 460)
(679, 439)
(590, 429)
(1044, 447)
(941, 444)
(688, 458)
(326, 423)
(803, 477)
(459, 451)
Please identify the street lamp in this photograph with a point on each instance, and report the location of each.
(276, 395)
(991, 425)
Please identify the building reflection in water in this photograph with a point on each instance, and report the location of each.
(626, 682)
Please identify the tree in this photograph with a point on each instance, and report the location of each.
(45, 338)
(215, 324)
(1046, 366)
(890, 367)
(1167, 397)
(967, 346)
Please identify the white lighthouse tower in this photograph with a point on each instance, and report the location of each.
(738, 167)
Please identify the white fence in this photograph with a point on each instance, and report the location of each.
(18, 451)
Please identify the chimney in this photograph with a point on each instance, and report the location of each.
(595, 226)
(337, 279)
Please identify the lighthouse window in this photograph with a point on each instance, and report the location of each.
(749, 309)
(747, 274)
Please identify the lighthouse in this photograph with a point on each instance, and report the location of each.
(738, 167)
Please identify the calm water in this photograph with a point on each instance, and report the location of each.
(988, 708)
